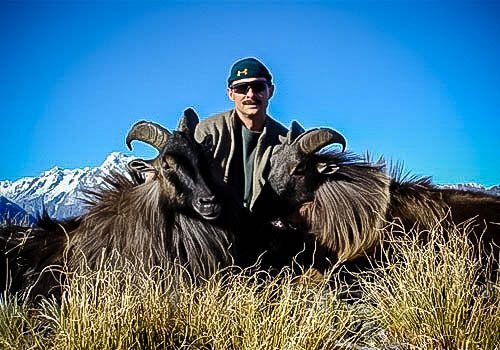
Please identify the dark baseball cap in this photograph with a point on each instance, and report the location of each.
(249, 67)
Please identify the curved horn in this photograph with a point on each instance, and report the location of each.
(316, 139)
(151, 133)
(188, 121)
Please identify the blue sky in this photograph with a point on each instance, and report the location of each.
(417, 82)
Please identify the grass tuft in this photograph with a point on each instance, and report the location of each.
(428, 291)
(435, 295)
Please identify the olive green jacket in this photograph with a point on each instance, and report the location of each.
(223, 128)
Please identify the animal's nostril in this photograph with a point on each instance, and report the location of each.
(207, 200)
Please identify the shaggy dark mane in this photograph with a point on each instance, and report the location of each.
(359, 192)
(142, 223)
(355, 201)
(416, 203)
(114, 183)
(402, 177)
(27, 252)
(163, 211)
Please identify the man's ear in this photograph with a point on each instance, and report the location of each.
(271, 90)
(230, 94)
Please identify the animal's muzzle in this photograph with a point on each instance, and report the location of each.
(207, 207)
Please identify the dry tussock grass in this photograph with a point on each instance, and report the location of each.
(434, 292)
(420, 296)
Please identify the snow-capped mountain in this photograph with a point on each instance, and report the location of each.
(474, 187)
(59, 191)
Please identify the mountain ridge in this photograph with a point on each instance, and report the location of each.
(60, 192)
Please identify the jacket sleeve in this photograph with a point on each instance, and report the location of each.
(200, 132)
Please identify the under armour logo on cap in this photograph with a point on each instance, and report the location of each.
(244, 71)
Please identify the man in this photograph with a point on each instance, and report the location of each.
(244, 136)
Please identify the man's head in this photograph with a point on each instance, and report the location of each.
(250, 87)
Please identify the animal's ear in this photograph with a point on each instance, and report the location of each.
(295, 130)
(141, 166)
(326, 168)
(314, 140)
(188, 122)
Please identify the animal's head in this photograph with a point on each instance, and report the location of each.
(295, 170)
(181, 167)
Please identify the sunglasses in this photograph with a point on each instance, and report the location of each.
(242, 88)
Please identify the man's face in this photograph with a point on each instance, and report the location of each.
(250, 96)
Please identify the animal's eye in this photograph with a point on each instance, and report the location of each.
(180, 162)
(300, 169)
(187, 165)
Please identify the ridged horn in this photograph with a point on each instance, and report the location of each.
(316, 139)
(151, 133)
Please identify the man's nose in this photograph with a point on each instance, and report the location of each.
(250, 92)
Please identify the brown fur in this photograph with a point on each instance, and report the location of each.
(357, 221)
(418, 203)
(349, 209)
(173, 217)
(127, 219)
(139, 221)
(362, 210)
